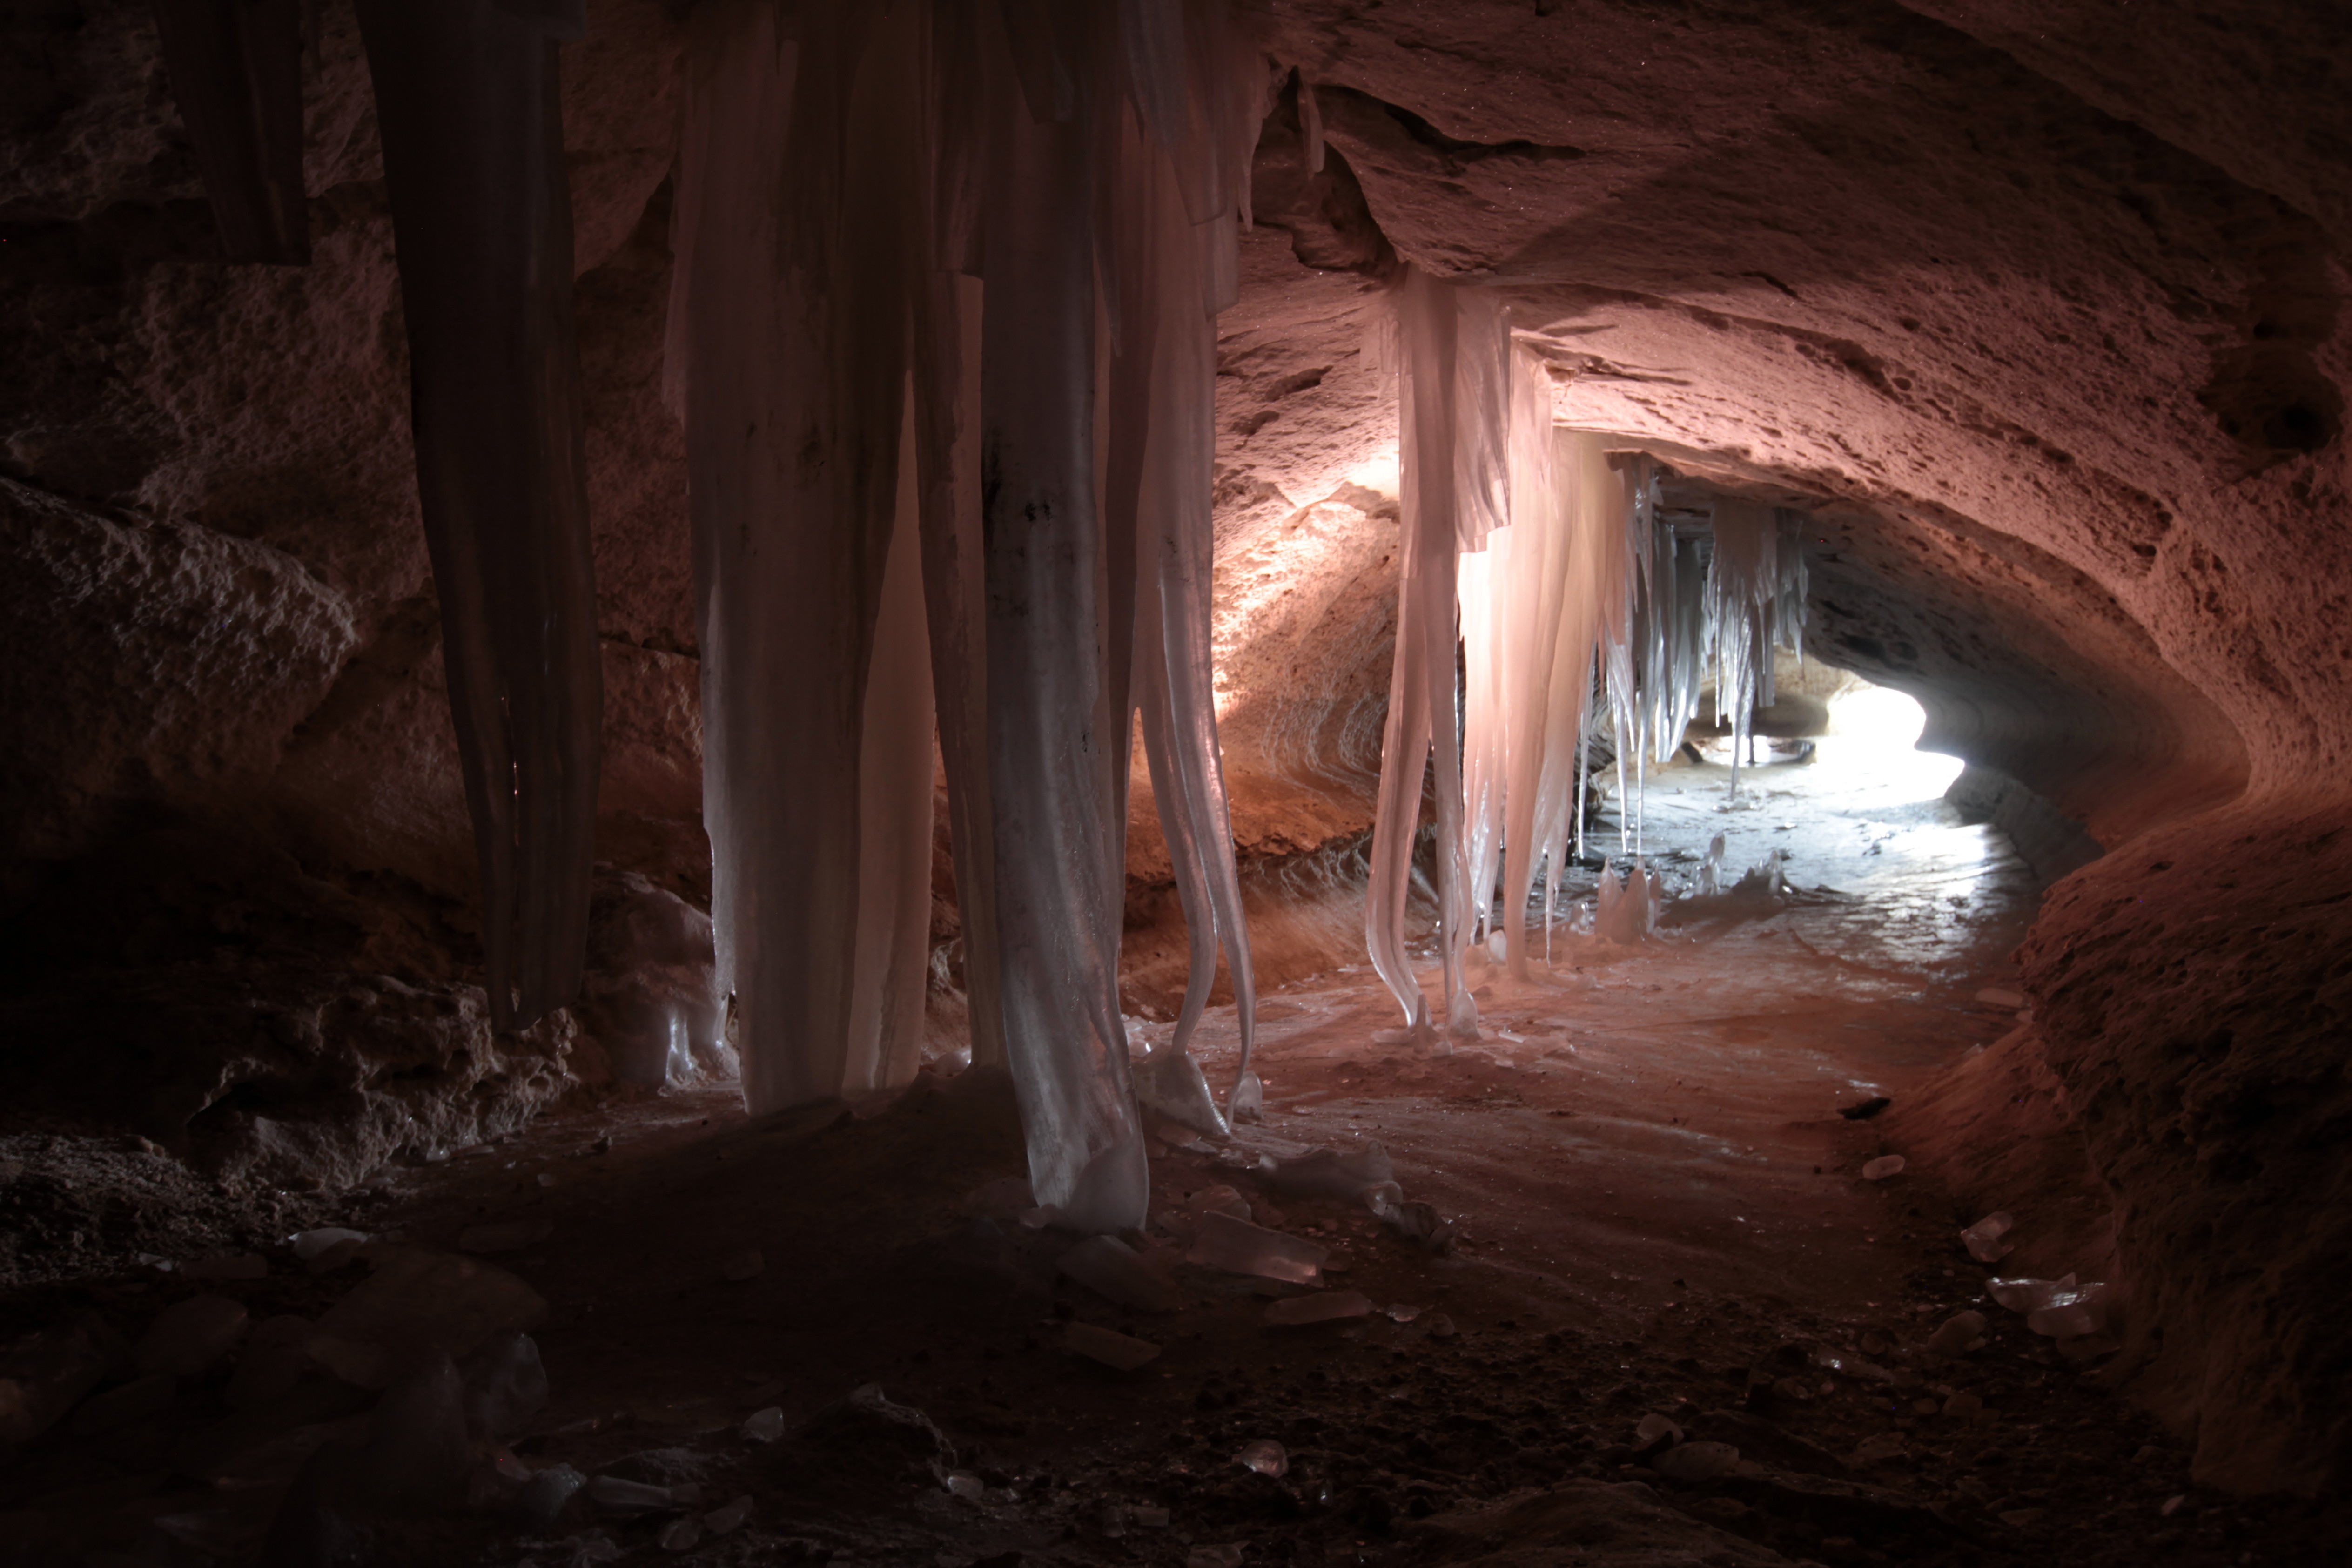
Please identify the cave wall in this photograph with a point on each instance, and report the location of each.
(2035, 308)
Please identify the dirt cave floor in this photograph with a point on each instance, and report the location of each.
(843, 1317)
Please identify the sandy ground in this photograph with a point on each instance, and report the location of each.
(1658, 1211)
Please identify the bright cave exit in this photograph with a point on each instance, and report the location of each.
(1832, 799)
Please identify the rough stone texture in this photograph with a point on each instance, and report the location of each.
(2035, 308)
(236, 855)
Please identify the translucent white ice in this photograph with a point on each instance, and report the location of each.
(943, 336)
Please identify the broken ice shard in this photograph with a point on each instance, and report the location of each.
(616, 1495)
(1328, 1173)
(1323, 1307)
(1986, 1240)
(1110, 1268)
(540, 1500)
(1122, 1352)
(764, 1426)
(1241, 1248)
(1887, 1165)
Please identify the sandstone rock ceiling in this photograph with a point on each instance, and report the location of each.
(2035, 307)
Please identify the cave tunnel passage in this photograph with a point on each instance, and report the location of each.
(378, 433)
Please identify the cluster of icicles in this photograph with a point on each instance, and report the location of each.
(1571, 598)
(942, 336)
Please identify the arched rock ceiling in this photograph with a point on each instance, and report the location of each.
(2036, 307)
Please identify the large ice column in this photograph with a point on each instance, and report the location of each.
(473, 151)
(237, 73)
(800, 239)
(1053, 725)
(1422, 726)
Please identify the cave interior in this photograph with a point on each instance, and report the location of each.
(1195, 782)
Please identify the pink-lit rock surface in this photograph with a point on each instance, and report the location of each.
(2035, 308)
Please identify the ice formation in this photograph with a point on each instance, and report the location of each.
(1545, 553)
(973, 255)
(473, 154)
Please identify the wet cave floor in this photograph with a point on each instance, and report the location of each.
(1658, 1212)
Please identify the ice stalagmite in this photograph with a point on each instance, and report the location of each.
(473, 151)
(237, 73)
(800, 240)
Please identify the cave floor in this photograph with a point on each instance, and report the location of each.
(1659, 1210)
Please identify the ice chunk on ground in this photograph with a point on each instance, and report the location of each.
(1264, 1456)
(1240, 1247)
(1987, 1239)
(1222, 1199)
(1401, 1314)
(615, 1495)
(2071, 1311)
(1886, 1166)
(540, 1500)
(680, 1534)
(1416, 1222)
(2020, 1294)
(1329, 1173)
(309, 1243)
(764, 1426)
(727, 1520)
(189, 1336)
(1113, 1349)
(1324, 1307)
(1110, 1268)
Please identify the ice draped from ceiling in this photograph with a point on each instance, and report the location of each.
(1537, 555)
(468, 104)
(943, 337)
